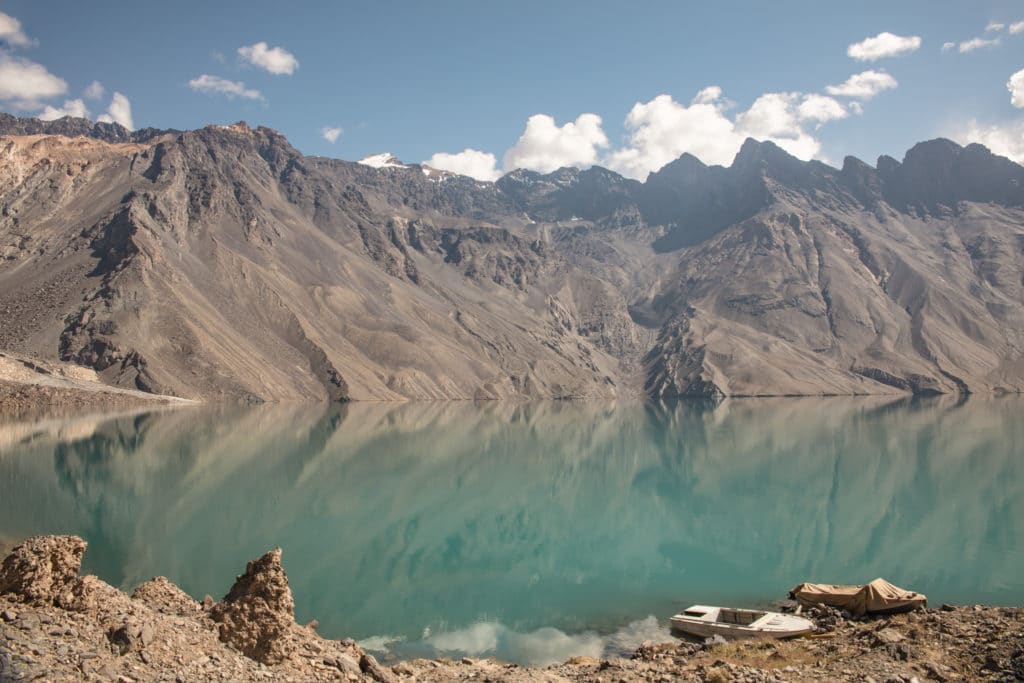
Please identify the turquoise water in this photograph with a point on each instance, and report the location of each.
(534, 532)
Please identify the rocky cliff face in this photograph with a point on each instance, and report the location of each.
(223, 263)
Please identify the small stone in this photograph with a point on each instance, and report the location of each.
(144, 656)
(888, 636)
(369, 666)
(468, 661)
(403, 670)
(8, 615)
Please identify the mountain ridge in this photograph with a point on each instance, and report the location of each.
(223, 263)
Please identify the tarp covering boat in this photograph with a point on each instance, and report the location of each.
(877, 597)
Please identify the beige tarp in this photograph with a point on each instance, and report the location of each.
(877, 596)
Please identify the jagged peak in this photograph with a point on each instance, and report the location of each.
(762, 151)
(851, 163)
(73, 126)
(932, 150)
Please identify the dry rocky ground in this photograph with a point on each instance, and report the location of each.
(58, 626)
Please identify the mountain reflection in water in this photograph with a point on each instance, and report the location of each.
(482, 528)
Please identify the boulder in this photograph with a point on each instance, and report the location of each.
(163, 596)
(258, 612)
(43, 570)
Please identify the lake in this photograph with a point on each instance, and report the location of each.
(534, 531)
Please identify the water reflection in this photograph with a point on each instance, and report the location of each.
(442, 523)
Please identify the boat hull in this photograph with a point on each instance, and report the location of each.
(706, 622)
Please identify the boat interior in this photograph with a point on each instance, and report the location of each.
(740, 617)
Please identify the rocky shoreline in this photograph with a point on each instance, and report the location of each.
(32, 387)
(56, 625)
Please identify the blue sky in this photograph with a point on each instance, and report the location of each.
(419, 78)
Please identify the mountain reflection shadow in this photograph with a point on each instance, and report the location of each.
(396, 519)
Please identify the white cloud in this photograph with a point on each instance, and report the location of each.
(471, 162)
(885, 44)
(215, 85)
(119, 111)
(71, 108)
(1005, 139)
(1016, 87)
(977, 43)
(276, 60)
(545, 146)
(331, 134)
(708, 95)
(821, 108)
(1017, 27)
(11, 33)
(26, 83)
(776, 117)
(995, 26)
(946, 47)
(864, 85)
(662, 129)
(94, 91)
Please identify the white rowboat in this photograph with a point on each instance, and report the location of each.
(706, 621)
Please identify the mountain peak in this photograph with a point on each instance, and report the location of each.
(939, 150)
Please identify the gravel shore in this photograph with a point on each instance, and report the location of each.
(58, 626)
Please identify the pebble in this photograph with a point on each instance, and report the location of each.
(8, 615)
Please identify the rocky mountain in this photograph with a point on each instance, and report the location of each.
(221, 262)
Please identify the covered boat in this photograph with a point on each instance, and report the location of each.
(706, 621)
(877, 597)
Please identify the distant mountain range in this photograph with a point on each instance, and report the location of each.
(222, 263)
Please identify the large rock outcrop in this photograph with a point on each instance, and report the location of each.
(44, 570)
(258, 612)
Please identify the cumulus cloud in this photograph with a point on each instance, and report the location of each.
(1016, 87)
(1017, 27)
(25, 83)
(11, 33)
(864, 85)
(885, 44)
(71, 108)
(662, 129)
(471, 162)
(946, 47)
(994, 26)
(119, 111)
(977, 43)
(545, 146)
(215, 85)
(821, 108)
(94, 91)
(776, 117)
(708, 95)
(331, 134)
(1005, 139)
(276, 60)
